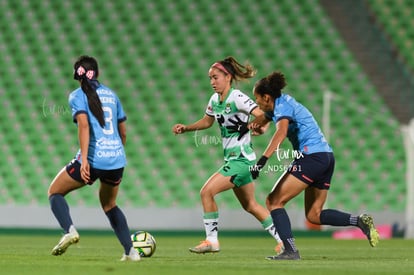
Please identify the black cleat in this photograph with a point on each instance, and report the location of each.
(286, 255)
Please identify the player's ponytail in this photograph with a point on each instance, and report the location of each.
(238, 71)
(271, 85)
(86, 71)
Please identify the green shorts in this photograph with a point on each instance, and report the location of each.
(238, 170)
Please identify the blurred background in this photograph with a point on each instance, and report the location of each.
(350, 62)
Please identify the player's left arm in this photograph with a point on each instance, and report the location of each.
(260, 123)
(122, 132)
(121, 116)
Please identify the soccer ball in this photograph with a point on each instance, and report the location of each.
(144, 243)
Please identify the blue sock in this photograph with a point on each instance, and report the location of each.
(120, 226)
(283, 227)
(60, 209)
(334, 217)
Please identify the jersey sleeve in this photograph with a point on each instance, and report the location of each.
(78, 104)
(209, 108)
(244, 103)
(121, 116)
(283, 110)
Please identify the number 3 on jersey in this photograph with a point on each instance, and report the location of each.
(109, 127)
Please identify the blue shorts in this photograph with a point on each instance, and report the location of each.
(315, 169)
(112, 177)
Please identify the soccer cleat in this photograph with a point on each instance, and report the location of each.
(67, 239)
(279, 248)
(132, 256)
(286, 255)
(366, 223)
(206, 247)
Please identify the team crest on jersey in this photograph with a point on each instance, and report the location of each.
(227, 110)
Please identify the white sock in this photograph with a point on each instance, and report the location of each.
(211, 227)
(272, 231)
(72, 230)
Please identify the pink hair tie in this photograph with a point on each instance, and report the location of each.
(219, 66)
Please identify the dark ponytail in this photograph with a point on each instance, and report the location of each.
(86, 71)
(271, 85)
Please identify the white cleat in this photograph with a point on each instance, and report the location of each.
(67, 240)
(206, 247)
(132, 256)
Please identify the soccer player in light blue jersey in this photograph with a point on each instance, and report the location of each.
(311, 171)
(100, 120)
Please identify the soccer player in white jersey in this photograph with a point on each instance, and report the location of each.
(231, 108)
(310, 172)
(100, 119)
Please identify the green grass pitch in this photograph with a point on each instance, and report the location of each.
(100, 253)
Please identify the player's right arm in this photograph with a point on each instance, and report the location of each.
(277, 138)
(204, 123)
(83, 136)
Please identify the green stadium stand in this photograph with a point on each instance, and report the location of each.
(396, 17)
(156, 55)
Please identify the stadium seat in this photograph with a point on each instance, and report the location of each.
(156, 55)
(396, 19)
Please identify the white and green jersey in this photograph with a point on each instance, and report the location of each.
(236, 104)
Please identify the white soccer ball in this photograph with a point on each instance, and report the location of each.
(144, 243)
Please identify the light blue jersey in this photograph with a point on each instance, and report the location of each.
(105, 151)
(304, 132)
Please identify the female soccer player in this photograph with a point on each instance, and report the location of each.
(231, 109)
(311, 171)
(100, 118)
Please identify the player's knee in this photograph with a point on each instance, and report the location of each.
(275, 203)
(313, 217)
(206, 193)
(250, 207)
(53, 191)
(106, 206)
(268, 204)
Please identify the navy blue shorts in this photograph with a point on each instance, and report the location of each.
(112, 177)
(315, 169)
